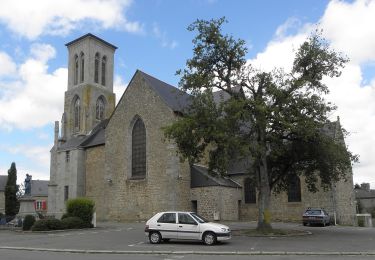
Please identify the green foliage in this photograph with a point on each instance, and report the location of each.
(28, 222)
(11, 189)
(47, 224)
(82, 208)
(361, 221)
(65, 215)
(277, 120)
(74, 223)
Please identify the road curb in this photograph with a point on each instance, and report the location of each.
(130, 252)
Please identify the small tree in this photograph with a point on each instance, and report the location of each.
(82, 208)
(11, 189)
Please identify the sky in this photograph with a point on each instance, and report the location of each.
(152, 35)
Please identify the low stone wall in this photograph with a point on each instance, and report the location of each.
(217, 202)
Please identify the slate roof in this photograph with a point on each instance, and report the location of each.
(72, 143)
(176, 99)
(92, 36)
(221, 95)
(96, 136)
(201, 178)
(239, 166)
(39, 188)
(3, 182)
(364, 194)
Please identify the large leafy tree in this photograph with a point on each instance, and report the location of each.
(277, 120)
(11, 189)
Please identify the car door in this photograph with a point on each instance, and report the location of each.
(167, 225)
(187, 228)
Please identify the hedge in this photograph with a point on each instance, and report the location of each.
(47, 224)
(82, 208)
(28, 222)
(74, 223)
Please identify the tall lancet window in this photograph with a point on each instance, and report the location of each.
(104, 64)
(100, 108)
(250, 191)
(77, 114)
(76, 69)
(294, 189)
(139, 150)
(82, 67)
(96, 75)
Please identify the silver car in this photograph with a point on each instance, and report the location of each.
(164, 226)
(315, 216)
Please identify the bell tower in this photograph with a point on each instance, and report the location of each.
(89, 98)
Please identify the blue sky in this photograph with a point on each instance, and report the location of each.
(152, 36)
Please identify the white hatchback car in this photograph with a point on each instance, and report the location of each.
(164, 226)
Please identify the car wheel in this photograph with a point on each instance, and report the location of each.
(209, 238)
(154, 237)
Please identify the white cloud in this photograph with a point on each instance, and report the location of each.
(38, 154)
(349, 27)
(119, 87)
(33, 18)
(279, 52)
(42, 52)
(163, 38)
(34, 97)
(7, 66)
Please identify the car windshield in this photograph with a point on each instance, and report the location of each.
(198, 218)
(313, 212)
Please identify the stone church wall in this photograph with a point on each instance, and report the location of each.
(282, 210)
(167, 182)
(96, 183)
(67, 173)
(217, 202)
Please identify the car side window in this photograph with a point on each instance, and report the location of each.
(186, 219)
(167, 218)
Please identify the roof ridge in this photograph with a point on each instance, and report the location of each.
(93, 36)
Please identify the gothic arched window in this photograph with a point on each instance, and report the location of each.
(104, 64)
(77, 114)
(139, 150)
(82, 67)
(100, 108)
(294, 189)
(96, 76)
(250, 191)
(76, 69)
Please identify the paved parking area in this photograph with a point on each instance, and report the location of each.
(129, 237)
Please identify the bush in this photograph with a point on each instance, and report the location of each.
(74, 223)
(65, 215)
(28, 222)
(82, 208)
(47, 224)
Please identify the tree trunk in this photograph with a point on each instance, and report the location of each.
(264, 218)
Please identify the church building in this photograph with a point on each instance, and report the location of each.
(117, 154)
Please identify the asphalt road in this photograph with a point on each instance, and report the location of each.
(26, 255)
(122, 238)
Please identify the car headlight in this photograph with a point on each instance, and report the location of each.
(224, 229)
